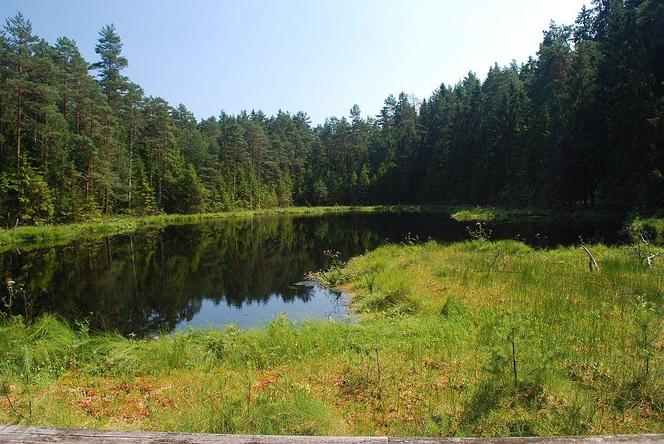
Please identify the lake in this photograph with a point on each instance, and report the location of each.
(232, 271)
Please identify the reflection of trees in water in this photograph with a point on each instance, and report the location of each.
(153, 280)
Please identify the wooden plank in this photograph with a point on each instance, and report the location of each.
(23, 434)
(618, 439)
(33, 435)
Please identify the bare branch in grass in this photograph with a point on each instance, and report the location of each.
(591, 259)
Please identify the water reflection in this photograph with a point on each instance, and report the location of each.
(231, 271)
(315, 302)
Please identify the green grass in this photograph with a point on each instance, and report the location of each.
(430, 355)
(492, 214)
(496, 214)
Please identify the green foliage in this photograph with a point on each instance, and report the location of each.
(320, 191)
(284, 191)
(191, 192)
(25, 198)
(147, 205)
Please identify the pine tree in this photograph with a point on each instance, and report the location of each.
(109, 48)
(20, 59)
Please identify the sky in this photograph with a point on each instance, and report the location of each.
(316, 56)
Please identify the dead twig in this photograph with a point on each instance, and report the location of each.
(642, 249)
(651, 258)
(496, 257)
(591, 259)
(11, 405)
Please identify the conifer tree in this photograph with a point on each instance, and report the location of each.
(109, 48)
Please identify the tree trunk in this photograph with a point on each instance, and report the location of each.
(88, 178)
(65, 99)
(19, 112)
(45, 146)
(131, 157)
(130, 164)
(150, 170)
(2, 131)
(78, 119)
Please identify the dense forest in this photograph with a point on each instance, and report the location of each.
(581, 125)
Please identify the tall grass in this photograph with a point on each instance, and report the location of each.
(475, 338)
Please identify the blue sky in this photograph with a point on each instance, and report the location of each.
(318, 56)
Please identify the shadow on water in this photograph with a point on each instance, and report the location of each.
(230, 271)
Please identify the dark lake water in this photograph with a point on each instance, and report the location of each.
(239, 271)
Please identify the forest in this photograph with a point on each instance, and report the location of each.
(578, 126)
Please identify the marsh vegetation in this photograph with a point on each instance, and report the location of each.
(218, 269)
(473, 337)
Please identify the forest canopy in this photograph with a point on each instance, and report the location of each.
(580, 125)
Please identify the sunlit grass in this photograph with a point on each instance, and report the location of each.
(492, 214)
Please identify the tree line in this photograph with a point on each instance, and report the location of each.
(581, 125)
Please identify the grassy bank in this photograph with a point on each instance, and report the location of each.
(25, 237)
(492, 214)
(496, 214)
(28, 237)
(475, 338)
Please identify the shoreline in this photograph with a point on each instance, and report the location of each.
(29, 237)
